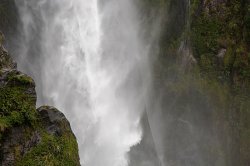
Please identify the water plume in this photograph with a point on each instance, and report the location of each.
(89, 61)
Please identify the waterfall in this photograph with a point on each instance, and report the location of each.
(89, 61)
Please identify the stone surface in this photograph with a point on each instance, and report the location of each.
(26, 132)
(52, 119)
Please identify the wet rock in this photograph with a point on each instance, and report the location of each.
(17, 144)
(53, 120)
(28, 135)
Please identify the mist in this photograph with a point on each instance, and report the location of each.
(89, 60)
(142, 82)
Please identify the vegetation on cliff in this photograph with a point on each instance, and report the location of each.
(201, 77)
(30, 137)
(220, 40)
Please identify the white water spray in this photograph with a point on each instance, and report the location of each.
(88, 61)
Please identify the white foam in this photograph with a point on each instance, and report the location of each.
(93, 67)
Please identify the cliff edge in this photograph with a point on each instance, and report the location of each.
(30, 136)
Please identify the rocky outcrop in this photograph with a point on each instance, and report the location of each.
(29, 136)
(54, 121)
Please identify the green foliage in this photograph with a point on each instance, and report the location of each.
(222, 83)
(16, 107)
(206, 31)
(53, 151)
(241, 65)
(226, 26)
(221, 26)
(194, 7)
(20, 79)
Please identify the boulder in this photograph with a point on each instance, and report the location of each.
(30, 136)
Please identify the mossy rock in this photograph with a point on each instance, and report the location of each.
(30, 137)
(58, 144)
(17, 99)
(16, 78)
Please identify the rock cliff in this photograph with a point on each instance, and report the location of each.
(200, 103)
(30, 136)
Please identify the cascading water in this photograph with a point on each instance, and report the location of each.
(88, 60)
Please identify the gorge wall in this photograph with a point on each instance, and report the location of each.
(198, 113)
(200, 108)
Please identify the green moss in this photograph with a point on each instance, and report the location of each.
(16, 107)
(222, 26)
(20, 79)
(206, 31)
(217, 87)
(195, 4)
(226, 26)
(53, 151)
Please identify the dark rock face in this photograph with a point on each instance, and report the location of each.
(27, 135)
(203, 113)
(52, 120)
(15, 145)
